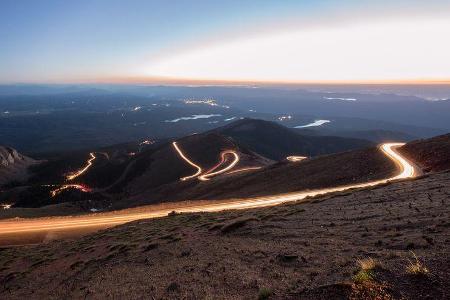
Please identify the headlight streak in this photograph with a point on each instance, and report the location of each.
(243, 170)
(63, 187)
(223, 155)
(295, 158)
(181, 154)
(14, 226)
(211, 172)
(84, 169)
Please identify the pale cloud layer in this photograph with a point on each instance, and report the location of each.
(407, 48)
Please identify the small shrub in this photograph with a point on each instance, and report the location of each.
(416, 267)
(367, 264)
(366, 272)
(363, 276)
(264, 293)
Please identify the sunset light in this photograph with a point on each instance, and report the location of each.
(383, 50)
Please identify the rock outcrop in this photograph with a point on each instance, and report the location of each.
(13, 165)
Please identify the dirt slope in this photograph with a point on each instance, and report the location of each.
(296, 251)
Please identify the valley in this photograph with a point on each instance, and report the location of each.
(99, 220)
(246, 191)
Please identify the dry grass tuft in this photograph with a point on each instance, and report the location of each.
(416, 267)
(367, 264)
(366, 273)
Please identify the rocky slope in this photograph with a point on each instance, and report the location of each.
(298, 251)
(13, 165)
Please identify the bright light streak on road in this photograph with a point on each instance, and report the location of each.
(223, 156)
(84, 169)
(211, 172)
(6, 206)
(69, 186)
(244, 170)
(402, 163)
(199, 169)
(294, 158)
(109, 219)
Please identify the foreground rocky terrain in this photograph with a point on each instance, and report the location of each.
(303, 250)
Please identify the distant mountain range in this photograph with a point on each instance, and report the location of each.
(385, 103)
(37, 125)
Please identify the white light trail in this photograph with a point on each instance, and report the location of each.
(84, 169)
(199, 169)
(294, 158)
(223, 155)
(102, 220)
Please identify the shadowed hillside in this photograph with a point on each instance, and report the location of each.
(430, 154)
(14, 166)
(275, 141)
(320, 172)
(168, 167)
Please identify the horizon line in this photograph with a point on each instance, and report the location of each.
(228, 82)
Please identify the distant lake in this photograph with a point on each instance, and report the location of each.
(314, 124)
(193, 117)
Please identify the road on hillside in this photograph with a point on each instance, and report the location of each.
(20, 231)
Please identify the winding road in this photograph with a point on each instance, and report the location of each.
(181, 154)
(85, 223)
(84, 169)
(214, 171)
(74, 175)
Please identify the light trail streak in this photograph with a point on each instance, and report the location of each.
(6, 206)
(80, 187)
(223, 156)
(84, 169)
(211, 172)
(244, 170)
(294, 158)
(102, 220)
(199, 169)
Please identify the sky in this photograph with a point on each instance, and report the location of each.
(53, 41)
